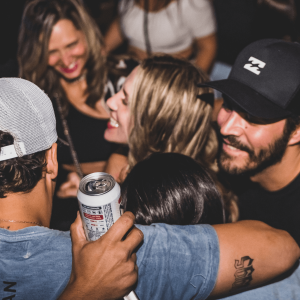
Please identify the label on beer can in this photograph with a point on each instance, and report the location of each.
(99, 203)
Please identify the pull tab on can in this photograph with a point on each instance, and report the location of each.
(100, 186)
(99, 203)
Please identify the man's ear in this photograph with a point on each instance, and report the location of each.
(295, 137)
(52, 164)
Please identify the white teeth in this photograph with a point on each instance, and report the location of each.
(72, 65)
(231, 147)
(113, 122)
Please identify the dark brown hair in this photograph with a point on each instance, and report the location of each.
(172, 188)
(20, 174)
(39, 18)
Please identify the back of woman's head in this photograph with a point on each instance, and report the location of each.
(171, 188)
(39, 18)
(168, 113)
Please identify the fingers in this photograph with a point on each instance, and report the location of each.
(74, 178)
(70, 187)
(77, 232)
(66, 191)
(133, 239)
(120, 228)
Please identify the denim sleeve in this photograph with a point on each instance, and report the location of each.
(177, 262)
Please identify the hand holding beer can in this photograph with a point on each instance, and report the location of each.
(99, 198)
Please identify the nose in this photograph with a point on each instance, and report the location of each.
(230, 122)
(66, 58)
(112, 102)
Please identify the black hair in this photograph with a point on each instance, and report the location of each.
(171, 188)
(20, 174)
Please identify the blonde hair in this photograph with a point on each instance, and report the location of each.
(39, 18)
(168, 115)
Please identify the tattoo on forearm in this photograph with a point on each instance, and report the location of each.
(243, 273)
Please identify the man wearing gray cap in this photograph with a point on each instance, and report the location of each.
(35, 261)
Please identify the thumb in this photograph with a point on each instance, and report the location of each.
(77, 233)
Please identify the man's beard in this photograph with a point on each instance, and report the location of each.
(256, 162)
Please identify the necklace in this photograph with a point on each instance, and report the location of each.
(13, 221)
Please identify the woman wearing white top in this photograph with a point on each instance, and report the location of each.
(166, 26)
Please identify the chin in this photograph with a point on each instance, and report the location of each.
(113, 137)
(109, 136)
(231, 166)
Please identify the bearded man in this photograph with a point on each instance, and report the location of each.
(260, 133)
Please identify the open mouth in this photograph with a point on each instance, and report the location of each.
(71, 68)
(231, 147)
(112, 123)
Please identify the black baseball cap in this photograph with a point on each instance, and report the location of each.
(264, 80)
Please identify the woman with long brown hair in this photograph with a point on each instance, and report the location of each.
(60, 50)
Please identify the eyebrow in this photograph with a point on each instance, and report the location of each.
(68, 45)
(74, 42)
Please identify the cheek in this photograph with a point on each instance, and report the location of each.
(221, 117)
(126, 122)
(52, 60)
(263, 137)
(80, 50)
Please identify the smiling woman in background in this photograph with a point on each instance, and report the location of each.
(60, 51)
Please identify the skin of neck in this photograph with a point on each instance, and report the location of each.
(284, 172)
(76, 95)
(35, 206)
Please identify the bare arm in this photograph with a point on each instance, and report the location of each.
(252, 253)
(105, 269)
(115, 164)
(206, 52)
(113, 37)
(70, 187)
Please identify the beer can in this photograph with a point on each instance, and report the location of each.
(99, 203)
(99, 198)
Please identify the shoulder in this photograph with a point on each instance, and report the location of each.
(201, 6)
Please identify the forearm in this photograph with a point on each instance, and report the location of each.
(113, 37)
(206, 52)
(252, 253)
(88, 167)
(115, 164)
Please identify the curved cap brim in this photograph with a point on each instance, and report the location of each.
(247, 99)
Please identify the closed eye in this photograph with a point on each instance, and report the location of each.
(73, 44)
(125, 99)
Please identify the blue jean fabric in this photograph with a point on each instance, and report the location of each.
(35, 263)
(177, 262)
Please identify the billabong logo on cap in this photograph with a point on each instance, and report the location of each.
(255, 66)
